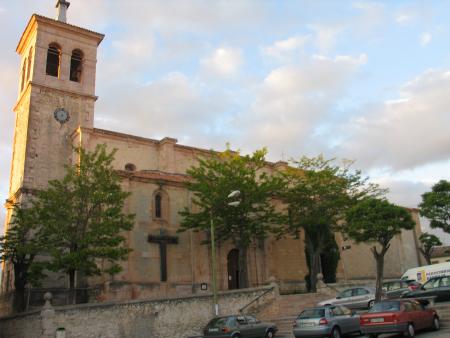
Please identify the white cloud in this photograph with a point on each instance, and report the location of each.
(425, 38)
(326, 36)
(403, 18)
(282, 50)
(293, 99)
(408, 132)
(224, 62)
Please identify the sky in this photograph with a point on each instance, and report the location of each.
(361, 80)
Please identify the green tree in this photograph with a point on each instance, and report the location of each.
(20, 246)
(213, 179)
(428, 241)
(377, 221)
(436, 205)
(82, 218)
(318, 192)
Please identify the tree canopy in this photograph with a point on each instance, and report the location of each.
(253, 217)
(318, 192)
(377, 221)
(428, 241)
(436, 205)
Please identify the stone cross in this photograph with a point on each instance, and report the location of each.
(163, 239)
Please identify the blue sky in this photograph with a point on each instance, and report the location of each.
(363, 80)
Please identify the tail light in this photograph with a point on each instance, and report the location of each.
(323, 321)
(363, 321)
(225, 330)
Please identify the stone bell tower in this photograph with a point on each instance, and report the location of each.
(56, 96)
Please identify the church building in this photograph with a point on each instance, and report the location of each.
(55, 111)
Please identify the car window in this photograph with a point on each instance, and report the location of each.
(408, 306)
(312, 313)
(395, 286)
(431, 284)
(336, 311)
(218, 322)
(360, 292)
(346, 311)
(346, 293)
(251, 319)
(241, 320)
(445, 281)
(391, 306)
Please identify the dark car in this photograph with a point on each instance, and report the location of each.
(326, 321)
(397, 288)
(239, 326)
(398, 316)
(438, 287)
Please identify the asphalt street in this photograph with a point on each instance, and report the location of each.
(442, 333)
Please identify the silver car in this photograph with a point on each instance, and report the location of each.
(326, 321)
(353, 298)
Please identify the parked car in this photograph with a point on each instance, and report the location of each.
(398, 316)
(353, 298)
(326, 321)
(396, 288)
(239, 326)
(438, 287)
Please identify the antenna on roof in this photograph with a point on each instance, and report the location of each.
(62, 6)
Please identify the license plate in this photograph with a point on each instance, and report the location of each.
(377, 320)
(307, 324)
(213, 329)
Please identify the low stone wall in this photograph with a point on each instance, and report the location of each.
(166, 318)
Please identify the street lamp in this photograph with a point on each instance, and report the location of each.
(233, 194)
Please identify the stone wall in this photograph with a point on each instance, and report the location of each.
(168, 318)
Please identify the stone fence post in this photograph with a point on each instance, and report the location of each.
(48, 318)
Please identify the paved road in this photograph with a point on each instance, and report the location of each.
(442, 333)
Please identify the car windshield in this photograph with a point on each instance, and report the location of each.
(218, 322)
(385, 307)
(312, 313)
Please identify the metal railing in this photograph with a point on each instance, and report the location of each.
(241, 310)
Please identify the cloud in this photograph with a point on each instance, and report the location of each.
(224, 62)
(172, 106)
(425, 39)
(283, 50)
(409, 131)
(373, 15)
(326, 36)
(293, 99)
(403, 18)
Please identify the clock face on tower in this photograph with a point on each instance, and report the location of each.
(61, 115)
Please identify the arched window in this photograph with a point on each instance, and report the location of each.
(53, 60)
(76, 65)
(24, 71)
(30, 61)
(158, 208)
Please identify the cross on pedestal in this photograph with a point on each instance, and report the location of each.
(163, 239)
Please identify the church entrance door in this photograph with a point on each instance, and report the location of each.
(233, 269)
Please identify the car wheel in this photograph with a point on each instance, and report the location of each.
(371, 304)
(335, 333)
(270, 334)
(236, 335)
(410, 332)
(436, 324)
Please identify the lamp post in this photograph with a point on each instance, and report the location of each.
(233, 194)
(213, 262)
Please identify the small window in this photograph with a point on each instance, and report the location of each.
(346, 293)
(30, 60)
(76, 65)
(24, 71)
(158, 209)
(130, 167)
(53, 60)
(360, 292)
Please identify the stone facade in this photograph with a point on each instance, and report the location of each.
(149, 168)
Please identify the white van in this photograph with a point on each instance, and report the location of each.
(424, 273)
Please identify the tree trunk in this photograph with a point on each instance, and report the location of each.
(315, 268)
(19, 288)
(243, 271)
(379, 258)
(72, 298)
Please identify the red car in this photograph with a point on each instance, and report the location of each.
(398, 316)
